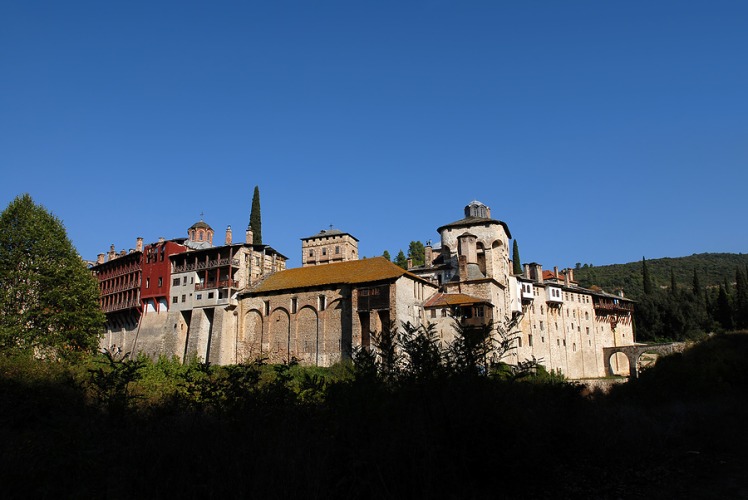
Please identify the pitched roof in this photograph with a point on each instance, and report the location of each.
(329, 232)
(474, 221)
(452, 299)
(351, 272)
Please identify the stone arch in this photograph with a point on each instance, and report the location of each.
(279, 336)
(334, 331)
(307, 335)
(249, 343)
(619, 364)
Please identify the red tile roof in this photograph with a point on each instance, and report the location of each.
(452, 299)
(350, 272)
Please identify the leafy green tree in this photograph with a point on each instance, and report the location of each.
(516, 264)
(417, 253)
(401, 260)
(255, 218)
(49, 301)
(386, 255)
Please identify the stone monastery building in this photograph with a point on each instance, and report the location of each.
(227, 304)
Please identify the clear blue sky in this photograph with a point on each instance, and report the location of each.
(600, 132)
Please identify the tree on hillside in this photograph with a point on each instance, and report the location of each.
(255, 218)
(48, 298)
(401, 260)
(417, 253)
(516, 264)
(386, 255)
(741, 299)
(724, 309)
(646, 278)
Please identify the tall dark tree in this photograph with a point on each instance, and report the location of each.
(646, 278)
(255, 218)
(386, 255)
(741, 299)
(417, 253)
(49, 301)
(696, 285)
(724, 309)
(401, 260)
(673, 284)
(516, 264)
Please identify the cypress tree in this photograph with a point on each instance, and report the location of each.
(255, 218)
(724, 309)
(673, 284)
(516, 264)
(646, 279)
(386, 255)
(696, 284)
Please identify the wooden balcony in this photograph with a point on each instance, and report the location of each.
(210, 264)
(216, 284)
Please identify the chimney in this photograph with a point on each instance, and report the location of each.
(429, 255)
(228, 235)
(527, 271)
(567, 277)
(620, 293)
(555, 271)
(463, 267)
(570, 272)
(160, 239)
(410, 263)
(488, 212)
(100, 258)
(139, 244)
(112, 252)
(538, 273)
(250, 236)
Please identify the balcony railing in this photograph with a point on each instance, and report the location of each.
(216, 284)
(119, 306)
(120, 288)
(613, 307)
(195, 266)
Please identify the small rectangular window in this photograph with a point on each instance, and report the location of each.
(148, 282)
(337, 250)
(199, 296)
(175, 282)
(160, 282)
(185, 280)
(210, 295)
(174, 299)
(294, 305)
(267, 308)
(433, 313)
(529, 340)
(322, 302)
(324, 251)
(184, 298)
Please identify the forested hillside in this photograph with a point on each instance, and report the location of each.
(713, 269)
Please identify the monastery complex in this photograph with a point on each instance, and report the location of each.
(235, 302)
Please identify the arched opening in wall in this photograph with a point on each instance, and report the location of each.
(619, 364)
(481, 255)
(279, 337)
(647, 360)
(333, 332)
(307, 335)
(249, 343)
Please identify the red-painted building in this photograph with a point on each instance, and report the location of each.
(155, 287)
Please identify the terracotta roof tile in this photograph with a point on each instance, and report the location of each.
(350, 272)
(452, 299)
